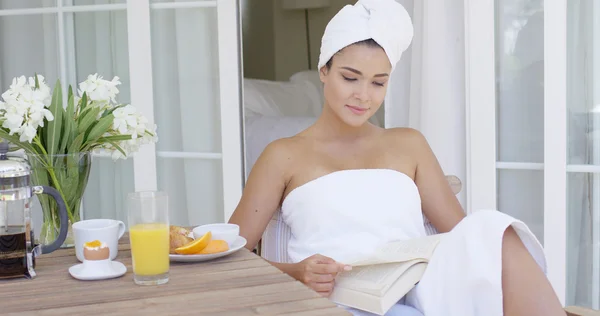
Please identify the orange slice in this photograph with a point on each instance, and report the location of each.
(215, 246)
(195, 246)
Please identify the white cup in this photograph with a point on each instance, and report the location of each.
(104, 230)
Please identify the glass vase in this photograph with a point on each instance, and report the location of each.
(68, 174)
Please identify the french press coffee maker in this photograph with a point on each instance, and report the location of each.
(17, 247)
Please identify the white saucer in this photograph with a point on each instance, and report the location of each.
(97, 270)
(238, 244)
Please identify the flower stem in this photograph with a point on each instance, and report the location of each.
(50, 170)
(58, 188)
(39, 144)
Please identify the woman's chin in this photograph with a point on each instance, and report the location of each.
(349, 118)
(355, 121)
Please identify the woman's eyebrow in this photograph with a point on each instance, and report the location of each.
(360, 73)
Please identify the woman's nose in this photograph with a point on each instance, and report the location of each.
(362, 93)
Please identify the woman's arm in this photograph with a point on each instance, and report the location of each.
(317, 272)
(262, 195)
(263, 192)
(439, 203)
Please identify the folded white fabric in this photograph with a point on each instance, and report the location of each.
(384, 21)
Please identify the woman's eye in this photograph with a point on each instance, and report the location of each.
(378, 84)
(348, 79)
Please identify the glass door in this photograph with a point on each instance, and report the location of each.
(179, 65)
(195, 79)
(532, 95)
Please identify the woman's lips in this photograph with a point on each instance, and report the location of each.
(357, 110)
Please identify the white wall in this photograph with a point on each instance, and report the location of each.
(258, 39)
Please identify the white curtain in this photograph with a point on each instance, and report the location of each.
(27, 47)
(583, 148)
(426, 90)
(187, 111)
(100, 46)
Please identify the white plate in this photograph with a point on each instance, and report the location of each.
(113, 269)
(238, 244)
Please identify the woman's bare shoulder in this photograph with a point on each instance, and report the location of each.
(282, 153)
(405, 136)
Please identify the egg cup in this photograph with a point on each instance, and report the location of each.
(97, 264)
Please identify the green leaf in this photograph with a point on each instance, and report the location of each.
(82, 102)
(42, 132)
(66, 135)
(54, 127)
(68, 125)
(113, 109)
(37, 83)
(100, 128)
(114, 138)
(70, 117)
(71, 120)
(88, 118)
(14, 139)
(69, 177)
(83, 113)
(118, 148)
(71, 106)
(75, 147)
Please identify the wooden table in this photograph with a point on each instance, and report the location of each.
(239, 284)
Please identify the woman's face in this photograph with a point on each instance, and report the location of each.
(356, 83)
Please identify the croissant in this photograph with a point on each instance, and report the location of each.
(178, 236)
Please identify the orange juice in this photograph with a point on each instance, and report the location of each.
(149, 248)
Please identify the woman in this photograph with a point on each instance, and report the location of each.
(345, 185)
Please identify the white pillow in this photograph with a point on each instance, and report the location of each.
(280, 98)
(310, 76)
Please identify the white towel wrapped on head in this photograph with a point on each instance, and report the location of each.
(384, 21)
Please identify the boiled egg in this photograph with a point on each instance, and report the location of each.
(96, 250)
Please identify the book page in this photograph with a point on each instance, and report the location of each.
(362, 291)
(374, 279)
(403, 250)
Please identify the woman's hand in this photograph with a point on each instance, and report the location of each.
(318, 272)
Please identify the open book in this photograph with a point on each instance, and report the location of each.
(378, 282)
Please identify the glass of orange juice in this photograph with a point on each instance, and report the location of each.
(148, 221)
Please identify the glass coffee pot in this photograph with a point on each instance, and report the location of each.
(17, 247)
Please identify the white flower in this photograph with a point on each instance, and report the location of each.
(27, 132)
(13, 121)
(98, 90)
(125, 119)
(128, 121)
(150, 136)
(43, 92)
(24, 108)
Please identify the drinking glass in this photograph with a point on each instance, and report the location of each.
(148, 219)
